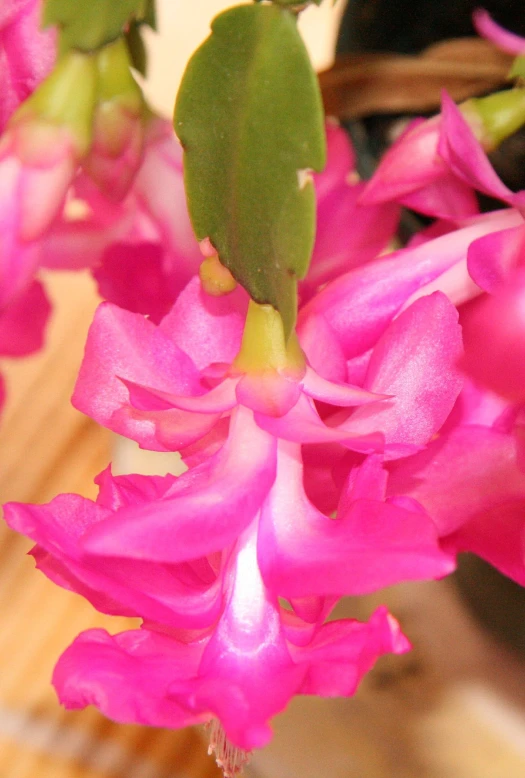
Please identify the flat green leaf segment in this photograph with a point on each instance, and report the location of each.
(250, 119)
(90, 24)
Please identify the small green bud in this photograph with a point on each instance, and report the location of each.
(501, 114)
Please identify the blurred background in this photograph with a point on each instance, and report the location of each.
(453, 708)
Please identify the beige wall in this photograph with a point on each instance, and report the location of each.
(183, 24)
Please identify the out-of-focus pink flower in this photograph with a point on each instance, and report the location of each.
(151, 226)
(487, 28)
(348, 233)
(413, 173)
(22, 323)
(27, 53)
(37, 164)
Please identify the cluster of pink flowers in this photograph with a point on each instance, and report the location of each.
(368, 448)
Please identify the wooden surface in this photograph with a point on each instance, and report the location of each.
(453, 708)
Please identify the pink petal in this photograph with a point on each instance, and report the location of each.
(209, 329)
(176, 595)
(358, 306)
(464, 155)
(126, 345)
(27, 54)
(300, 549)
(302, 424)
(340, 161)
(460, 475)
(505, 40)
(494, 334)
(446, 198)
(415, 363)
(206, 509)
(348, 234)
(492, 257)
(127, 676)
(496, 535)
(409, 164)
(343, 651)
(321, 346)
(268, 392)
(333, 393)
(133, 277)
(221, 398)
(23, 321)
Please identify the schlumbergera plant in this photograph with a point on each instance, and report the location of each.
(312, 384)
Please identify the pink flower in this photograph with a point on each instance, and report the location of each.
(27, 53)
(145, 242)
(215, 640)
(245, 663)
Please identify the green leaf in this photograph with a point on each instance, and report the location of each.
(90, 24)
(250, 119)
(136, 48)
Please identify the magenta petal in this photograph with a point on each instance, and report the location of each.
(409, 164)
(492, 257)
(208, 329)
(221, 398)
(415, 362)
(477, 465)
(465, 156)
(343, 651)
(268, 392)
(348, 235)
(341, 395)
(494, 334)
(127, 676)
(301, 551)
(132, 275)
(496, 535)
(355, 310)
(174, 595)
(304, 425)
(22, 322)
(206, 509)
(126, 345)
(321, 345)
(446, 198)
(505, 40)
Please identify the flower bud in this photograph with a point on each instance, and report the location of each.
(118, 132)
